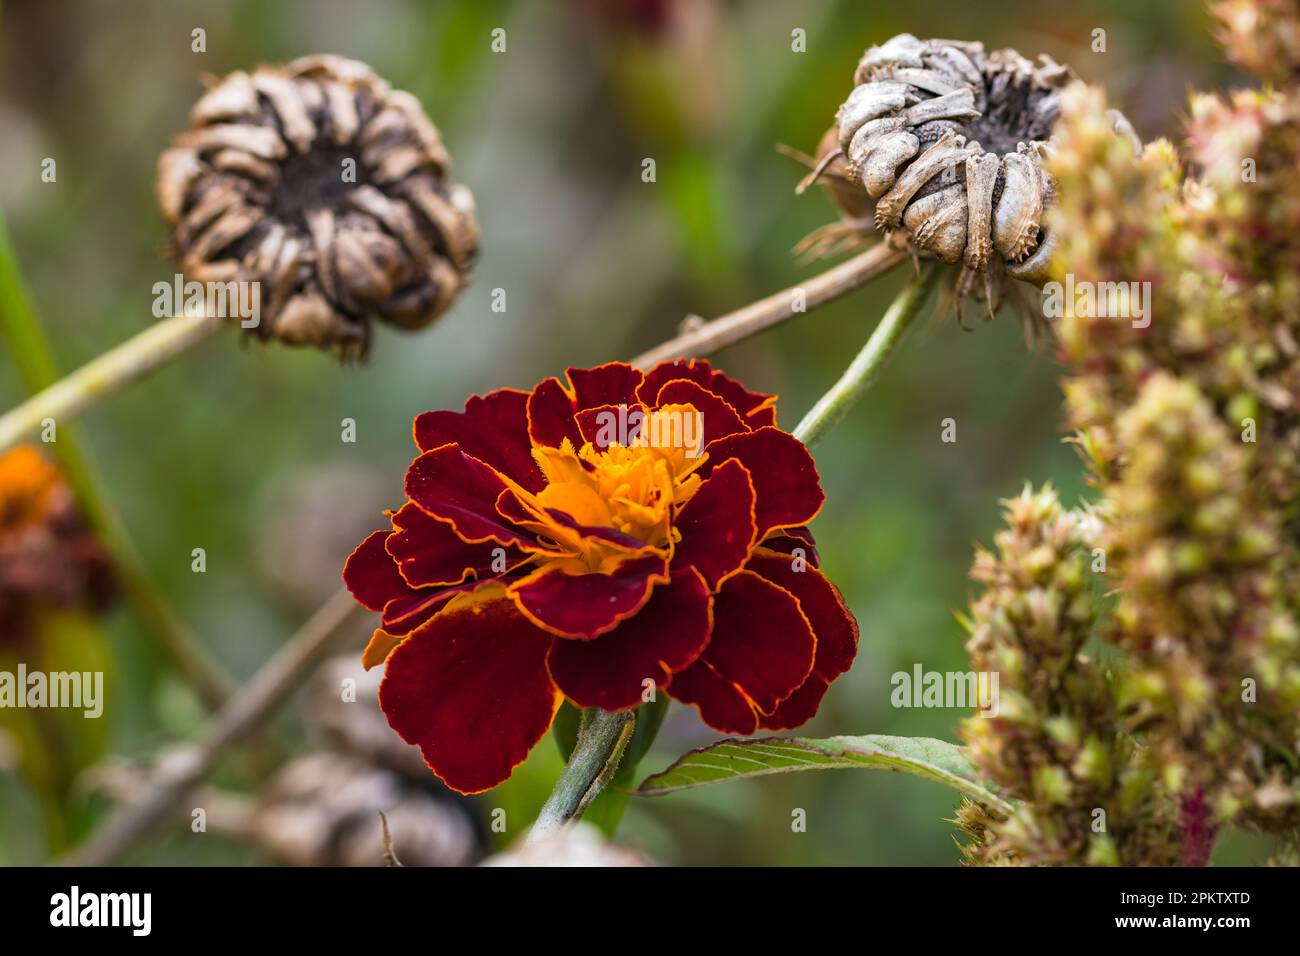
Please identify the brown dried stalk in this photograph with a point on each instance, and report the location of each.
(250, 707)
(832, 284)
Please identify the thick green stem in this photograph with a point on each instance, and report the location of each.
(859, 376)
(22, 330)
(132, 360)
(602, 738)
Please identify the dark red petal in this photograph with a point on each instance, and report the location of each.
(832, 623)
(429, 552)
(512, 509)
(371, 573)
(585, 606)
(722, 705)
(787, 540)
(404, 608)
(718, 418)
(550, 415)
(762, 648)
(471, 689)
(717, 524)
(761, 641)
(493, 428)
(612, 536)
(755, 408)
(784, 475)
(762, 416)
(451, 485)
(591, 424)
(614, 383)
(662, 638)
(800, 707)
(404, 614)
(595, 428)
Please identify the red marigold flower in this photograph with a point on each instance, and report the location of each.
(47, 557)
(580, 540)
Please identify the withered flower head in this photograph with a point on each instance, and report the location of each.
(329, 189)
(948, 143)
(47, 557)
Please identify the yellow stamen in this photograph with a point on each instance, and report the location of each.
(631, 489)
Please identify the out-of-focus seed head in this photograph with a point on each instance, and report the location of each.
(328, 189)
(1262, 36)
(320, 809)
(1056, 748)
(580, 845)
(1190, 422)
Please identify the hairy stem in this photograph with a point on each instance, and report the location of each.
(22, 330)
(602, 738)
(864, 369)
(131, 360)
(832, 284)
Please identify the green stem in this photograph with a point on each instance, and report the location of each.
(606, 810)
(602, 738)
(132, 360)
(31, 352)
(860, 375)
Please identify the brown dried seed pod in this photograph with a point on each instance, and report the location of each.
(328, 189)
(950, 141)
(322, 809)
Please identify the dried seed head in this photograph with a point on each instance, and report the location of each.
(320, 809)
(950, 143)
(330, 190)
(1261, 36)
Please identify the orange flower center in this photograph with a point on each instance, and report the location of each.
(27, 485)
(631, 489)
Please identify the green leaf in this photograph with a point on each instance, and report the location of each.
(739, 758)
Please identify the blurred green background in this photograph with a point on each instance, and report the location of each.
(236, 448)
